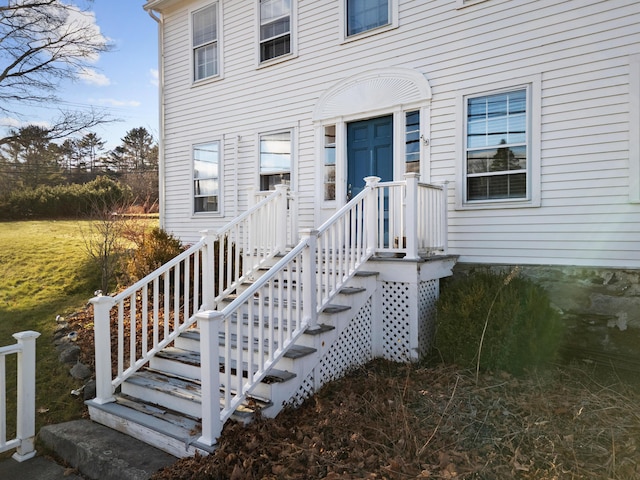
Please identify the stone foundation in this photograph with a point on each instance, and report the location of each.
(601, 308)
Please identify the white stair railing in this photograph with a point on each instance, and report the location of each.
(152, 313)
(340, 246)
(412, 218)
(24, 441)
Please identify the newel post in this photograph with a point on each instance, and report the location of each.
(445, 217)
(411, 212)
(208, 270)
(309, 279)
(371, 214)
(281, 218)
(102, 332)
(210, 375)
(26, 395)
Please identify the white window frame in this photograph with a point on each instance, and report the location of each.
(194, 146)
(293, 34)
(293, 142)
(393, 23)
(533, 198)
(219, 43)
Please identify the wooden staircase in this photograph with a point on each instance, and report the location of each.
(161, 403)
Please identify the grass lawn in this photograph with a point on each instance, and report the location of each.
(44, 272)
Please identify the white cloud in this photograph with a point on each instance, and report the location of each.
(12, 122)
(155, 79)
(92, 77)
(112, 102)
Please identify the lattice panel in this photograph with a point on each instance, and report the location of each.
(304, 392)
(351, 349)
(427, 298)
(396, 320)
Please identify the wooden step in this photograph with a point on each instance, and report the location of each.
(191, 361)
(178, 393)
(171, 431)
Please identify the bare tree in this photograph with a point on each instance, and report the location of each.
(43, 42)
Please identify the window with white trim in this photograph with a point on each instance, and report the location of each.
(206, 177)
(275, 159)
(496, 147)
(275, 29)
(364, 15)
(204, 42)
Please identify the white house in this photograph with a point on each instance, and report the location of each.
(494, 131)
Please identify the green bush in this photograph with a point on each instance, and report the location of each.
(63, 201)
(510, 316)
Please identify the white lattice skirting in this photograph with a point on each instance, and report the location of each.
(353, 348)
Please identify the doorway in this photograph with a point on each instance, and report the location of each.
(369, 152)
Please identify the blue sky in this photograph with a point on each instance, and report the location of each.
(122, 81)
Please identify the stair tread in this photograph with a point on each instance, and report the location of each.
(181, 387)
(176, 425)
(295, 351)
(193, 358)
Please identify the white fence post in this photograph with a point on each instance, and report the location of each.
(208, 271)
(26, 397)
(445, 217)
(281, 218)
(371, 214)
(210, 376)
(309, 279)
(102, 331)
(411, 216)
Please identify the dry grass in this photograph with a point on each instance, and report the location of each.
(400, 421)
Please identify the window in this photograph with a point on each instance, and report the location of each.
(330, 162)
(275, 159)
(412, 142)
(206, 177)
(364, 15)
(275, 28)
(496, 161)
(204, 24)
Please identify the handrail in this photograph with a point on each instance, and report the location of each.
(272, 328)
(24, 441)
(152, 312)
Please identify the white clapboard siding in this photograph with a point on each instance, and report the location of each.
(579, 52)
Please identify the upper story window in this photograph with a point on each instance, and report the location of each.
(204, 26)
(275, 28)
(496, 160)
(206, 177)
(275, 159)
(364, 15)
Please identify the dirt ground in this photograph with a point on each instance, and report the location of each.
(392, 421)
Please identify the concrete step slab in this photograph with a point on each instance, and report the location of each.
(101, 453)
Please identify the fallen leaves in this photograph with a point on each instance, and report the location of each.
(374, 425)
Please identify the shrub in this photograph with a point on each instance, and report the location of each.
(63, 201)
(154, 248)
(508, 319)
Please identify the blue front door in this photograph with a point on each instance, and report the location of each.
(369, 152)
